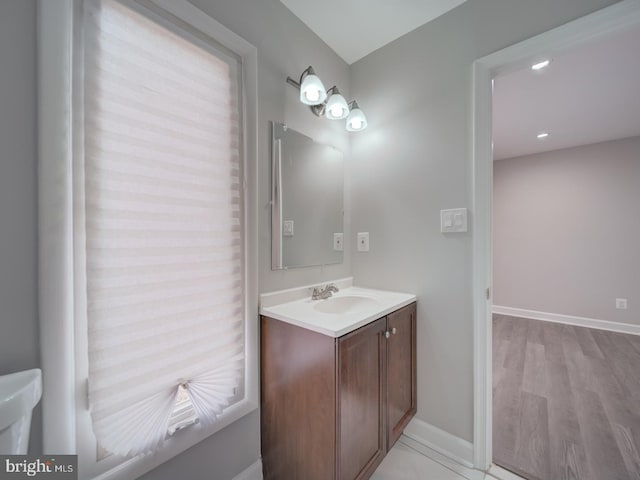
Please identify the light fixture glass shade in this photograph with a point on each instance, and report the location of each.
(356, 120)
(337, 107)
(312, 91)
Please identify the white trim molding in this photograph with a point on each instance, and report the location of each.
(500, 473)
(253, 472)
(482, 171)
(568, 319)
(600, 24)
(444, 443)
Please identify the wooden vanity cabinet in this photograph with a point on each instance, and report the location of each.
(331, 408)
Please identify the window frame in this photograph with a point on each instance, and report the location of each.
(66, 422)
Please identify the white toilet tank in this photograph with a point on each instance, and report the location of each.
(19, 393)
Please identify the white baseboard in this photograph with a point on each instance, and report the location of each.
(445, 461)
(253, 472)
(452, 447)
(568, 319)
(500, 473)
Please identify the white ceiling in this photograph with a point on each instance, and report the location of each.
(587, 95)
(355, 28)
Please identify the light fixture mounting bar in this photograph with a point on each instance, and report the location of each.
(292, 82)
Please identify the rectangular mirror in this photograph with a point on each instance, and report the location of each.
(307, 201)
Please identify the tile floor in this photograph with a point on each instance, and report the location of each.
(404, 463)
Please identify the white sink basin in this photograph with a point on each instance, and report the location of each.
(347, 310)
(19, 393)
(345, 304)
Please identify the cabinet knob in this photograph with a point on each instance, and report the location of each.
(393, 330)
(387, 334)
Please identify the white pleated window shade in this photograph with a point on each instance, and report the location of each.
(164, 227)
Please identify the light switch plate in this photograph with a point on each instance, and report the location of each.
(363, 241)
(453, 220)
(338, 240)
(287, 228)
(621, 303)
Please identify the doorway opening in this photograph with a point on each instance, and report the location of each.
(598, 27)
(566, 135)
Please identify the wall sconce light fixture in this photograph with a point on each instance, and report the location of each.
(356, 120)
(312, 91)
(329, 103)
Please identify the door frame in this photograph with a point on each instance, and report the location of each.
(600, 24)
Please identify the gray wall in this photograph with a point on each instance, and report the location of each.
(566, 231)
(19, 348)
(415, 159)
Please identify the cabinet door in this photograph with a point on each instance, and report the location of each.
(298, 409)
(401, 371)
(361, 400)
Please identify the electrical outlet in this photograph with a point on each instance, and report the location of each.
(621, 303)
(338, 239)
(287, 228)
(363, 241)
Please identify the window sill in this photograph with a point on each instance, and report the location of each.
(176, 444)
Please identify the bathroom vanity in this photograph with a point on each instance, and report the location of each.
(338, 381)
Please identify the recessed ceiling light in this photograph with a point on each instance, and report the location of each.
(541, 65)
(542, 135)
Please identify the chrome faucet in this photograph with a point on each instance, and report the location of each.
(323, 294)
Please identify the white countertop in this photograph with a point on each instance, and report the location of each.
(295, 306)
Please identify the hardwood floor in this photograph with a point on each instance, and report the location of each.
(566, 401)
